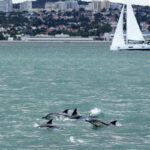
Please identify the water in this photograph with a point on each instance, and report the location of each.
(38, 78)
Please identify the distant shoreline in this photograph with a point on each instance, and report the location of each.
(55, 41)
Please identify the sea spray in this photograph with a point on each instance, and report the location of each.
(35, 125)
(95, 112)
(73, 140)
(119, 124)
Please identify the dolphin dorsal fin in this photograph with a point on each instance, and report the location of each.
(74, 112)
(66, 111)
(50, 121)
(114, 122)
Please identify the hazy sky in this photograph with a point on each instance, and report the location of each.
(141, 2)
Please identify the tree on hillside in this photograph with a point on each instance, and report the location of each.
(149, 28)
(2, 37)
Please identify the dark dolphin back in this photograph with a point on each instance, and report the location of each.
(113, 122)
(50, 121)
(66, 111)
(74, 112)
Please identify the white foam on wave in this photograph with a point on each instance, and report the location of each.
(117, 137)
(61, 118)
(73, 140)
(58, 118)
(53, 83)
(37, 119)
(66, 119)
(148, 136)
(80, 141)
(35, 125)
(119, 124)
(95, 111)
(13, 121)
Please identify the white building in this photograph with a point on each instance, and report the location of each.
(26, 6)
(72, 4)
(99, 5)
(49, 6)
(89, 7)
(62, 5)
(6, 5)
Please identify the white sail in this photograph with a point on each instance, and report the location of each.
(118, 39)
(133, 30)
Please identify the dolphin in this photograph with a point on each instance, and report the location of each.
(99, 123)
(64, 113)
(49, 125)
(75, 115)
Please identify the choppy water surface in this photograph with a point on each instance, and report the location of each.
(38, 78)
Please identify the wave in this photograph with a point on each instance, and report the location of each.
(95, 112)
(35, 125)
(119, 124)
(73, 140)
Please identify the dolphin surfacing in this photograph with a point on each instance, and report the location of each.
(75, 115)
(99, 123)
(49, 125)
(64, 113)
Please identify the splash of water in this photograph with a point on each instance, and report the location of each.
(73, 140)
(35, 125)
(95, 112)
(119, 124)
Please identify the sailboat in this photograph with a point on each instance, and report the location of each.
(134, 38)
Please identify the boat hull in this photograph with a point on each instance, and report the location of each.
(136, 47)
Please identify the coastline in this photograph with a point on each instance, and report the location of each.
(5, 41)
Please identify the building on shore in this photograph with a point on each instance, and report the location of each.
(6, 5)
(62, 5)
(26, 6)
(49, 6)
(99, 5)
(72, 4)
